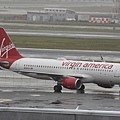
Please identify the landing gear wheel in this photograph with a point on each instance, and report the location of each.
(81, 90)
(57, 88)
(82, 87)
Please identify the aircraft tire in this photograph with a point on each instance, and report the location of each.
(57, 88)
(81, 90)
(82, 87)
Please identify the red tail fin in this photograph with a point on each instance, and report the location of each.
(7, 48)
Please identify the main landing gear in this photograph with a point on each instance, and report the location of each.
(58, 88)
(81, 90)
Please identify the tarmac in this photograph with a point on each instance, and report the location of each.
(20, 91)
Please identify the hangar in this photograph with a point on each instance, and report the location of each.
(51, 14)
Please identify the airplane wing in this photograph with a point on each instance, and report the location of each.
(83, 77)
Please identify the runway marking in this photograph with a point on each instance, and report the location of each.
(7, 90)
(35, 95)
(5, 100)
(117, 98)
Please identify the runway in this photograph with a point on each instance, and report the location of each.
(21, 91)
(63, 34)
(60, 26)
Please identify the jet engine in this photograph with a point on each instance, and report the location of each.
(72, 83)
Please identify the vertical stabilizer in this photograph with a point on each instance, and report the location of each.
(7, 48)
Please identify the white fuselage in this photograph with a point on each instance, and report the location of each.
(101, 72)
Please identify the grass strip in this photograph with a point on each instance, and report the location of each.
(65, 43)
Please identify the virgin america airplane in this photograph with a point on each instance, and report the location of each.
(69, 74)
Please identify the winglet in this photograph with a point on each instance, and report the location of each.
(102, 59)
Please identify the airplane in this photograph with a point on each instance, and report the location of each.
(67, 73)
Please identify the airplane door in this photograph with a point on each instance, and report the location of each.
(117, 71)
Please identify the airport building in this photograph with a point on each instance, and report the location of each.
(51, 14)
(63, 14)
(59, 14)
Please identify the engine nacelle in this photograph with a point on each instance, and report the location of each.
(105, 85)
(71, 83)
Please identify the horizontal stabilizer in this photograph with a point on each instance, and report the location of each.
(4, 63)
